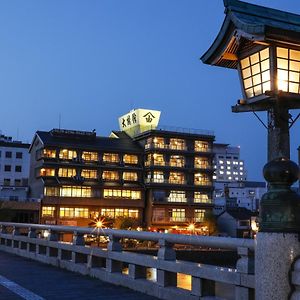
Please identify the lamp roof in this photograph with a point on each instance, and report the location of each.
(247, 25)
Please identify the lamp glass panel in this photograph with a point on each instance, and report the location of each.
(288, 70)
(255, 71)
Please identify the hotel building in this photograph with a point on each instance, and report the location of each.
(160, 177)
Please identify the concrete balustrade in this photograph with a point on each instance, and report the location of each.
(111, 264)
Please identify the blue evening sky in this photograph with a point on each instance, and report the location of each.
(92, 61)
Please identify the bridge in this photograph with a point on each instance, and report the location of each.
(23, 247)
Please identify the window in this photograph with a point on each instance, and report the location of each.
(176, 178)
(108, 212)
(51, 191)
(6, 182)
(67, 154)
(7, 168)
(288, 70)
(130, 176)
(177, 144)
(91, 174)
(114, 193)
(19, 155)
(66, 172)
(111, 157)
(177, 215)
(158, 142)
(201, 162)
(256, 73)
(201, 179)
(177, 196)
(110, 175)
(18, 169)
(49, 153)
(130, 159)
(48, 211)
(177, 161)
(158, 159)
(8, 154)
(75, 191)
(46, 172)
(158, 177)
(199, 215)
(201, 146)
(133, 213)
(200, 197)
(89, 156)
(71, 212)
(18, 182)
(158, 215)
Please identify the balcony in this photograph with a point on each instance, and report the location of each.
(166, 181)
(203, 183)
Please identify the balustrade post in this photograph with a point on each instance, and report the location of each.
(203, 287)
(114, 266)
(245, 265)
(31, 233)
(296, 280)
(78, 239)
(135, 271)
(166, 252)
(16, 231)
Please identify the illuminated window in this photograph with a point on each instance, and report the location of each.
(177, 161)
(177, 196)
(158, 142)
(199, 215)
(66, 172)
(130, 194)
(130, 159)
(49, 153)
(87, 173)
(158, 177)
(133, 213)
(228, 162)
(130, 176)
(221, 162)
(201, 162)
(221, 172)
(75, 191)
(51, 191)
(201, 197)
(67, 154)
(48, 211)
(121, 212)
(89, 156)
(158, 159)
(177, 215)
(177, 178)
(71, 212)
(111, 157)
(256, 73)
(288, 70)
(201, 179)
(108, 212)
(177, 144)
(241, 163)
(47, 172)
(110, 175)
(201, 146)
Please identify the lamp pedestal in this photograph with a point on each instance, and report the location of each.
(278, 240)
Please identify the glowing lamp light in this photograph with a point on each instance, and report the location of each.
(99, 224)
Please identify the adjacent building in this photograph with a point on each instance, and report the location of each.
(160, 177)
(14, 169)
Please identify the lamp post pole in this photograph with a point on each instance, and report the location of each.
(278, 132)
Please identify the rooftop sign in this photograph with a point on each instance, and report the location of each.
(139, 120)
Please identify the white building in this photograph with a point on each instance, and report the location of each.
(228, 167)
(14, 169)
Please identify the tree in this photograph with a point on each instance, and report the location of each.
(210, 220)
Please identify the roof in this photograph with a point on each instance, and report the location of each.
(240, 213)
(91, 142)
(14, 144)
(244, 25)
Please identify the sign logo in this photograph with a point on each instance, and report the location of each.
(149, 117)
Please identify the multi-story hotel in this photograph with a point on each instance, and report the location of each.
(162, 178)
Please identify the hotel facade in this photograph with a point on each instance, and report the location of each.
(161, 178)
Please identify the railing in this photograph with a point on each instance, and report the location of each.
(183, 130)
(108, 264)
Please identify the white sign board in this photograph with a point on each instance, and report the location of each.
(144, 118)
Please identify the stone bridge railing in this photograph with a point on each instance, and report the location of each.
(108, 264)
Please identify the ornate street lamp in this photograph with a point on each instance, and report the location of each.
(263, 45)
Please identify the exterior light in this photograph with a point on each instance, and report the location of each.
(99, 224)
